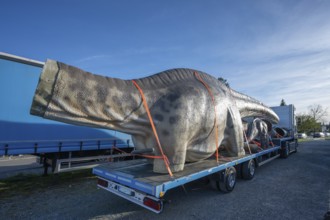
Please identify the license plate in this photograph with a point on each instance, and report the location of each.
(125, 190)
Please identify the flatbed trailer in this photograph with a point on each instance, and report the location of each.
(135, 180)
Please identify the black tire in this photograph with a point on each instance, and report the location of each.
(248, 169)
(228, 180)
(285, 151)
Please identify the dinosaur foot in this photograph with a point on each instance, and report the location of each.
(160, 167)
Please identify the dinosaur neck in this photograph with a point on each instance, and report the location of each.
(250, 107)
(71, 95)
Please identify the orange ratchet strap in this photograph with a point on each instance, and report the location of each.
(145, 104)
(141, 155)
(247, 141)
(215, 114)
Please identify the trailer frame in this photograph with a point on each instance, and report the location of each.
(136, 182)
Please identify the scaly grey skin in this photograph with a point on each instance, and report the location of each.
(180, 105)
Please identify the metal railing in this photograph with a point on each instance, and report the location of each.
(57, 146)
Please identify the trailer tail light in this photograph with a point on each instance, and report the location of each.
(103, 183)
(156, 205)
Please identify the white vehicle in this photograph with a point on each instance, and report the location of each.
(302, 135)
(287, 122)
(319, 135)
(287, 117)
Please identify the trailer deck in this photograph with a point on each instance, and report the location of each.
(134, 180)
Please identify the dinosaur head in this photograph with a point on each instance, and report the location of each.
(71, 95)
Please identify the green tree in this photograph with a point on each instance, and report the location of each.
(306, 123)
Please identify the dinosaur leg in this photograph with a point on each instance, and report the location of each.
(233, 140)
(176, 162)
(264, 135)
(175, 152)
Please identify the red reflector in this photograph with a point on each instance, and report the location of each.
(102, 182)
(156, 205)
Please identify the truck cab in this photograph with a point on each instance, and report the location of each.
(287, 129)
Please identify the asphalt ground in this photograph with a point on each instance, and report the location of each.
(294, 188)
(15, 165)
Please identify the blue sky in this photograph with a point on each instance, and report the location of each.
(266, 49)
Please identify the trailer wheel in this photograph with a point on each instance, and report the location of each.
(285, 151)
(228, 180)
(248, 169)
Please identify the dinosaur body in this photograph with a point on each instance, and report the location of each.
(180, 106)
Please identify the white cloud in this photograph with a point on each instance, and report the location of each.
(301, 80)
(89, 59)
(292, 63)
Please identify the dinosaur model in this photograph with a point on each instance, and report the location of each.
(259, 129)
(180, 105)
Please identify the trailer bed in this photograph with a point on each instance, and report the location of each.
(138, 174)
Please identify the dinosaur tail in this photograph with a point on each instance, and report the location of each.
(250, 107)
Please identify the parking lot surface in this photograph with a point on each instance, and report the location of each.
(294, 188)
